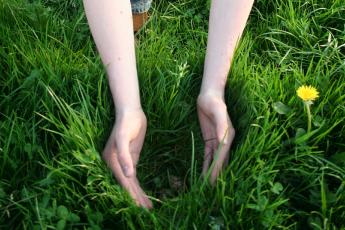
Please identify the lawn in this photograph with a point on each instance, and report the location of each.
(56, 113)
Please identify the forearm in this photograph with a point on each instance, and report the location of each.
(227, 21)
(112, 29)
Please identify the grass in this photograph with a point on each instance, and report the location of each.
(56, 113)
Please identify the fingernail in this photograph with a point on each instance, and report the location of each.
(125, 170)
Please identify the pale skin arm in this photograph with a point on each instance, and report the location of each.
(227, 22)
(111, 25)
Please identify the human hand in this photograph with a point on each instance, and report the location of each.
(122, 152)
(217, 131)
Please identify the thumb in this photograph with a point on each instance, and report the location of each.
(222, 133)
(222, 128)
(125, 158)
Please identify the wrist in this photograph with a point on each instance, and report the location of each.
(124, 110)
(212, 92)
(125, 93)
(211, 101)
(213, 84)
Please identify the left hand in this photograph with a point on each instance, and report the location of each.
(217, 131)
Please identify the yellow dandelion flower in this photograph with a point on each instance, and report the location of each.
(307, 93)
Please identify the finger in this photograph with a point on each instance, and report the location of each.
(131, 185)
(138, 194)
(111, 158)
(222, 155)
(223, 146)
(112, 161)
(222, 126)
(135, 151)
(209, 139)
(133, 188)
(218, 160)
(137, 144)
(230, 139)
(145, 201)
(207, 159)
(205, 125)
(225, 135)
(124, 156)
(219, 156)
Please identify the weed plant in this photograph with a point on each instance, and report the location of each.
(56, 113)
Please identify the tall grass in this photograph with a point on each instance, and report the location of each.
(56, 113)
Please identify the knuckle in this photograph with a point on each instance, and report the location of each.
(232, 132)
(121, 134)
(144, 120)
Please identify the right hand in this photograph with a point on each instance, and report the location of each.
(218, 133)
(122, 152)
